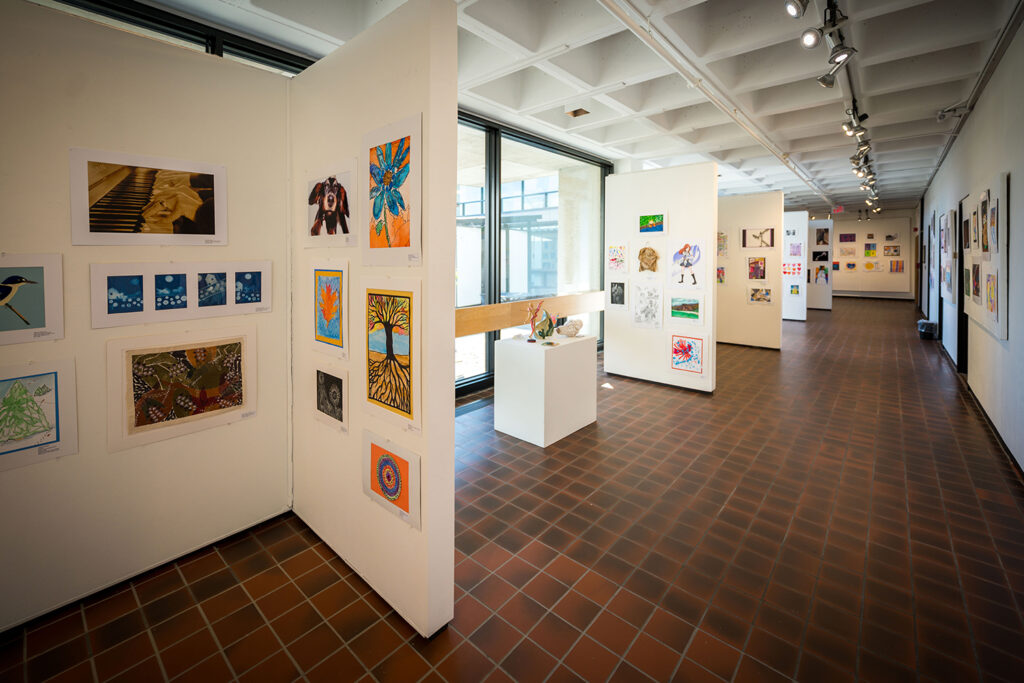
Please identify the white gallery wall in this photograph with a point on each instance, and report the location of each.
(738, 320)
(819, 289)
(73, 525)
(687, 196)
(794, 260)
(989, 144)
(863, 274)
(411, 568)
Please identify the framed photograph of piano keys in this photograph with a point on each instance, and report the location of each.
(130, 199)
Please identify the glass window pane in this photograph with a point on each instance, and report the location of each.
(469, 224)
(470, 356)
(553, 246)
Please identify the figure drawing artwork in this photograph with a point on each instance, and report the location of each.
(329, 287)
(686, 308)
(391, 477)
(646, 305)
(184, 383)
(171, 290)
(651, 223)
(684, 266)
(617, 293)
(870, 249)
(37, 413)
(389, 368)
(759, 295)
(756, 268)
(617, 255)
(131, 199)
(31, 298)
(890, 250)
(821, 237)
(758, 238)
(687, 354)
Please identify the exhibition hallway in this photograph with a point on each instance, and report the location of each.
(835, 511)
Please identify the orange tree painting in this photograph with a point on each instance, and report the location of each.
(328, 284)
(389, 350)
(389, 220)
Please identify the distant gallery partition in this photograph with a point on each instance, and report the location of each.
(819, 282)
(795, 247)
(750, 269)
(875, 258)
(660, 275)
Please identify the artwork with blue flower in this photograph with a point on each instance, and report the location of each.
(170, 291)
(389, 218)
(213, 289)
(124, 294)
(248, 287)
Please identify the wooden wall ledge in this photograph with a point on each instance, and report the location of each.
(478, 319)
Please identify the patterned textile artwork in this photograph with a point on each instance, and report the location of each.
(184, 383)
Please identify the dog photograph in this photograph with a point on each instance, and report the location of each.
(329, 218)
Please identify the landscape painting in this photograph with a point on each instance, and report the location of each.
(687, 354)
(130, 199)
(686, 308)
(389, 368)
(651, 223)
(328, 314)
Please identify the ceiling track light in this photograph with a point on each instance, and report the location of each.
(796, 8)
(829, 80)
(864, 147)
(860, 131)
(841, 54)
(811, 38)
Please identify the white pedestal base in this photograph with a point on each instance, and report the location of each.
(545, 393)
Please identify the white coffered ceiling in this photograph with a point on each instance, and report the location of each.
(671, 82)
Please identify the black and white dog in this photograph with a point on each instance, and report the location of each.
(331, 201)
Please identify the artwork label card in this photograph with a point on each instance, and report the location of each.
(38, 413)
(390, 168)
(687, 354)
(170, 385)
(391, 477)
(392, 349)
(131, 199)
(32, 296)
(136, 293)
(331, 200)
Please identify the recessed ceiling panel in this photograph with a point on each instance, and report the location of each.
(524, 89)
(540, 25)
(620, 57)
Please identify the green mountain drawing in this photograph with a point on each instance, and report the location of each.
(20, 416)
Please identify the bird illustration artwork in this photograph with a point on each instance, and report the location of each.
(9, 288)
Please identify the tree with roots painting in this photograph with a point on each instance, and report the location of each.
(388, 350)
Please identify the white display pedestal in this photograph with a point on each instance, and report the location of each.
(545, 393)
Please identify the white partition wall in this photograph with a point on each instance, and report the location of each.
(652, 332)
(76, 524)
(744, 317)
(413, 569)
(794, 258)
(876, 258)
(819, 288)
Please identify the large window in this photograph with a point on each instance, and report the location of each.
(529, 225)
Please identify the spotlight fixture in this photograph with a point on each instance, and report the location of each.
(811, 38)
(829, 80)
(864, 147)
(841, 53)
(860, 131)
(859, 214)
(877, 209)
(869, 202)
(796, 8)
(864, 186)
(848, 129)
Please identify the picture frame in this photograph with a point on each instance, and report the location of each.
(331, 307)
(39, 411)
(392, 349)
(390, 234)
(391, 477)
(32, 288)
(139, 200)
(332, 203)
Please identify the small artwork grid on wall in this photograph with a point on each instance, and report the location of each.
(687, 354)
(391, 477)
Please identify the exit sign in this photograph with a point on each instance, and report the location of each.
(838, 209)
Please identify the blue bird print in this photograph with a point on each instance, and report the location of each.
(9, 288)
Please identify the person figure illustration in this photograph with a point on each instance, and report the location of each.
(687, 258)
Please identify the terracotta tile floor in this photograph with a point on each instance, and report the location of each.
(837, 511)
